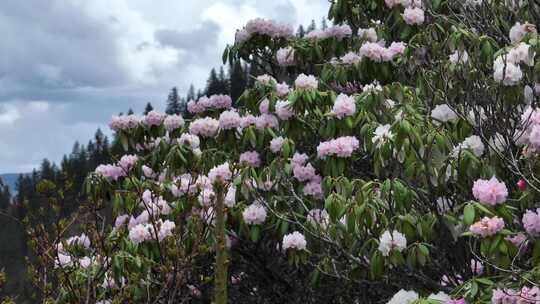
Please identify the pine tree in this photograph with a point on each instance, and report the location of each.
(312, 26)
(300, 32)
(237, 80)
(173, 102)
(191, 93)
(5, 196)
(324, 24)
(130, 112)
(212, 84)
(223, 82)
(148, 108)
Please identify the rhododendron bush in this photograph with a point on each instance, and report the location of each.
(391, 157)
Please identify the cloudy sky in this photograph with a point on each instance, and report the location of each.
(68, 65)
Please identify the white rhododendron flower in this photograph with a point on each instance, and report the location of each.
(392, 241)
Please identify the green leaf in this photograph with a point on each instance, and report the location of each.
(468, 214)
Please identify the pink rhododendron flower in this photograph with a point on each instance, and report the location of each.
(350, 58)
(276, 144)
(305, 82)
(477, 267)
(190, 140)
(254, 214)
(491, 192)
(285, 56)
(507, 72)
(124, 122)
(304, 173)
(153, 118)
(266, 80)
(165, 230)
(247, 121)
(313, 188)
(344, 106)
(173, 122)
(229, 120)
(487, 226)
(282, 89)
(250, 158)
(264, 106)
(220, 173)
(340, 147)
(295, 241)
(284, 110)
(413, 16)
(127, 162)
(318, 218)
(299, 159)
(370, 34)
(518, 31)
(139, 233)
(531, 222)
(266, 121)
(204, 127)
(110, 172)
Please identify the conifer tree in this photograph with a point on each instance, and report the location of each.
(173, 102)
(148, 108)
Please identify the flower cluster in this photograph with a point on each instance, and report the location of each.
(491, 192)
(306, 173)
(153, 118)
(254, 214)
(124, 122)
(295, 240)
(392, 241)
(443, 113)
(110, 172)
(508, 296)
(127, 162)
(377, 52)
(413, 15)
(229, 120)
(340, 147)
(145, 232)
(261, 26)
(250, 158)
(487, 226)
(204, 103)
(305, 82)
(276, 144)
(285, 56)
(337, 31)
(344, 106)
(318, 218)
(518, 31)
(173, 122)
(382, 134)
(531, 222)
(221, 173)
(473, 143)
(506, 67)
(284, 110)
(204, 127)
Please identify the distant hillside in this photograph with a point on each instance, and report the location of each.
(10, 179)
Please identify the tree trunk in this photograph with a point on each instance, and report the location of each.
(222, 262)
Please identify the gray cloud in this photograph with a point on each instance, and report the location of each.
(50, 46)
(67, 66)
(199, 38)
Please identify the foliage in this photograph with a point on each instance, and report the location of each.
(408, 162)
